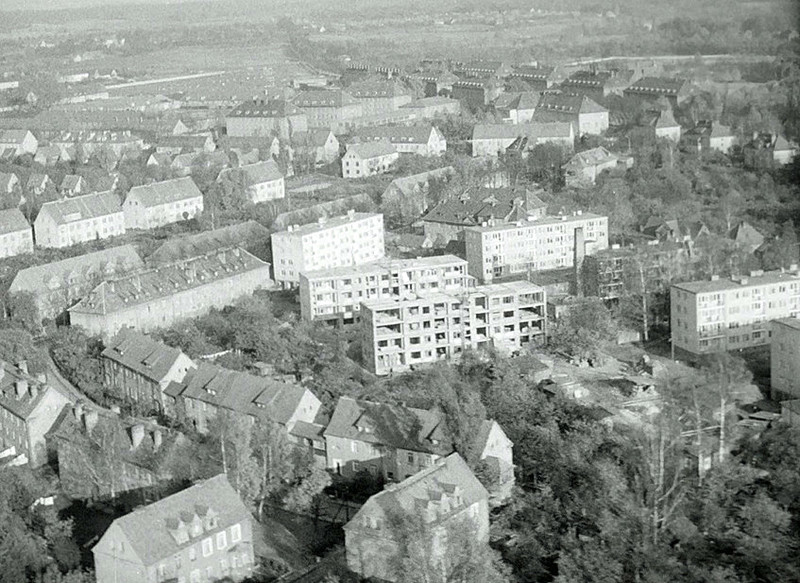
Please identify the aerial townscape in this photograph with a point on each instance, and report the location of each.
(469, 291)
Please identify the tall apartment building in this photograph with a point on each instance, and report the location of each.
(336, 294)
(401, 333)
(785, 358)
(532, 245)
(351, 239)
(726, 314)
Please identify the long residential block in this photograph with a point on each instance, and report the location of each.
(65, 222)
(719, 314)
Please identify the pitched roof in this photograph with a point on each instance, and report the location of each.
(527, 71)
(244, 393)
(476, 205)
(166, 280)
(36, 180)
(720, 131)
(7, 179)
(657, 85)
(12, 136)
(81, 208)
(745, 234)
(12, 221)
(107, 262)
(591, 157)
(535, 130)
(323, 98)
(313, 138)
(449, 478)
(568, 103)
(518, 100)
(166, 192)
(373, 89)
(140, 353)
(390, 425)
(667, 120)
(238, 235)
(264, 108)
(20, 403)
(404, 134)
(367, 150)
(148, 529)
(252, 174)
(406, 184)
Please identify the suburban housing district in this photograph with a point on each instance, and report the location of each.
(345, 319)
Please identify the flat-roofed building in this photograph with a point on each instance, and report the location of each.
(400, 333)
(503, 250)
(336, 294)
(61, 223)
(351, 239)
(785, 358)
(723, 314)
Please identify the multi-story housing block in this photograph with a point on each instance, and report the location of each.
(423, 140)
(29, 407)
(69, 221)
(446, 496)
(265, 117)
(586, 116)
(369, 158)
(203, 533)
(719, 314)
(651, 89)
(538, 78)
(379, 96)
(157, 297)
(327, 108)
(598, 84)
(502, 250)
(336, 294)
(492, 139)
(161, 203)
(141, 369)
(404, 332)
(352, 239)
(16, 236)
(261, 182)
(785, 358)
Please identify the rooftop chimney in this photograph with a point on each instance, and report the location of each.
(23, 366)
(77, 410)
(90, 419)
(22, 388)
(137, 435)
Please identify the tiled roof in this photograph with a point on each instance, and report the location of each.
(166, 280)
(253, 174)
(323, 98)
(373, 89)
(148, 528)
(140, 353)
(242, 392)
(7, 179)
(657, 85)
(178, 248)
(405, 134)
(390, 425)
(105, 263)
(264, 108)
(81, 208)
(165, 192)
(568, 103)
(667, 120)
(313, 431)
(12, 136)
(367, 150)
(536, 130)
(20, 405)
(591, 157)
(37, 180)
(532, 72)
(745, 234)
(406, 184)
(517, 100)
(476, 205)
(426, 488)
(12, 221)
(311, 138)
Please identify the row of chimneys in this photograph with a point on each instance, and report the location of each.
(90, 417)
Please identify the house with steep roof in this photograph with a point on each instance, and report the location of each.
(769, 151)
(708, 136)
(161, 203)
(72, 185)
(186, 144)
(447, 220)
(19, 142)
(538, 78)
(48, 155)
(652, 89)
(29, 406)
(321, 145)
(8, 182)
(665, 126)
(379, 96)
(202, 533)
(490, 140)
(446, 497)
(368, 159)
(38, 183)
(674, 231)
(517, 107)
(101, 454)
(327, 108)
(745, 236)
(266, 117)
(56, 286)
(586, 116)
(249, 235)
(209, 389)
(161, 159)
(158, 296)
(16, 236)
(584, 168)
(416, 185)
(260, 182)
(141, 369)
(61, 223)
(419, 139)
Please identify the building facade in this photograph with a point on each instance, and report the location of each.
(162, 203)
(66, 222)
(491, 140)
(586, 116)
(368, 159)
(327, 108)
(352, 239)
(785, 359)
(261, 182)
(423, 140)
(265, 117)
(16, 236)
(727, 314)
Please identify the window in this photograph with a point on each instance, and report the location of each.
(410, 457)
(162, 571)
(222, 540)
(208, 547)
(236, 533)
(192, 553)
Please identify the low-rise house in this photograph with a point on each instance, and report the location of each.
(16, 236)
(490, 140)
(496, 453)
(517, 107)
(162, 203)
(48, 155)
(674, 231)
(652, 89)
(202, 533)
(29, 407)
(56, 286)
(38, 183)
(434, 106)
(584, 168)
(158, 296)
(260, 182)
(447, 220)
(379, 96)
(208, 390)
(265, 117)
(320, 145)
(8, 182)
(709, 136)
(446, 497)
(414, 185)
(69, 221)
(72, 185)
(769, 151)
(420, 139)
(160, 159)
(102, 455)
(182, 164)
(784, 359)
(368, 159)
(745, 236)
(19, 142)
(141, 369)
(586, 116)
(665, 126)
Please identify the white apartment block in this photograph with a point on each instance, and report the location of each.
(335, 295)
(69, 221)
(502, 250)
(717, 315)
(785, 358)
(402, 333)
(368, 159)
(16, 236)
(161, 203)
(351, 239)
